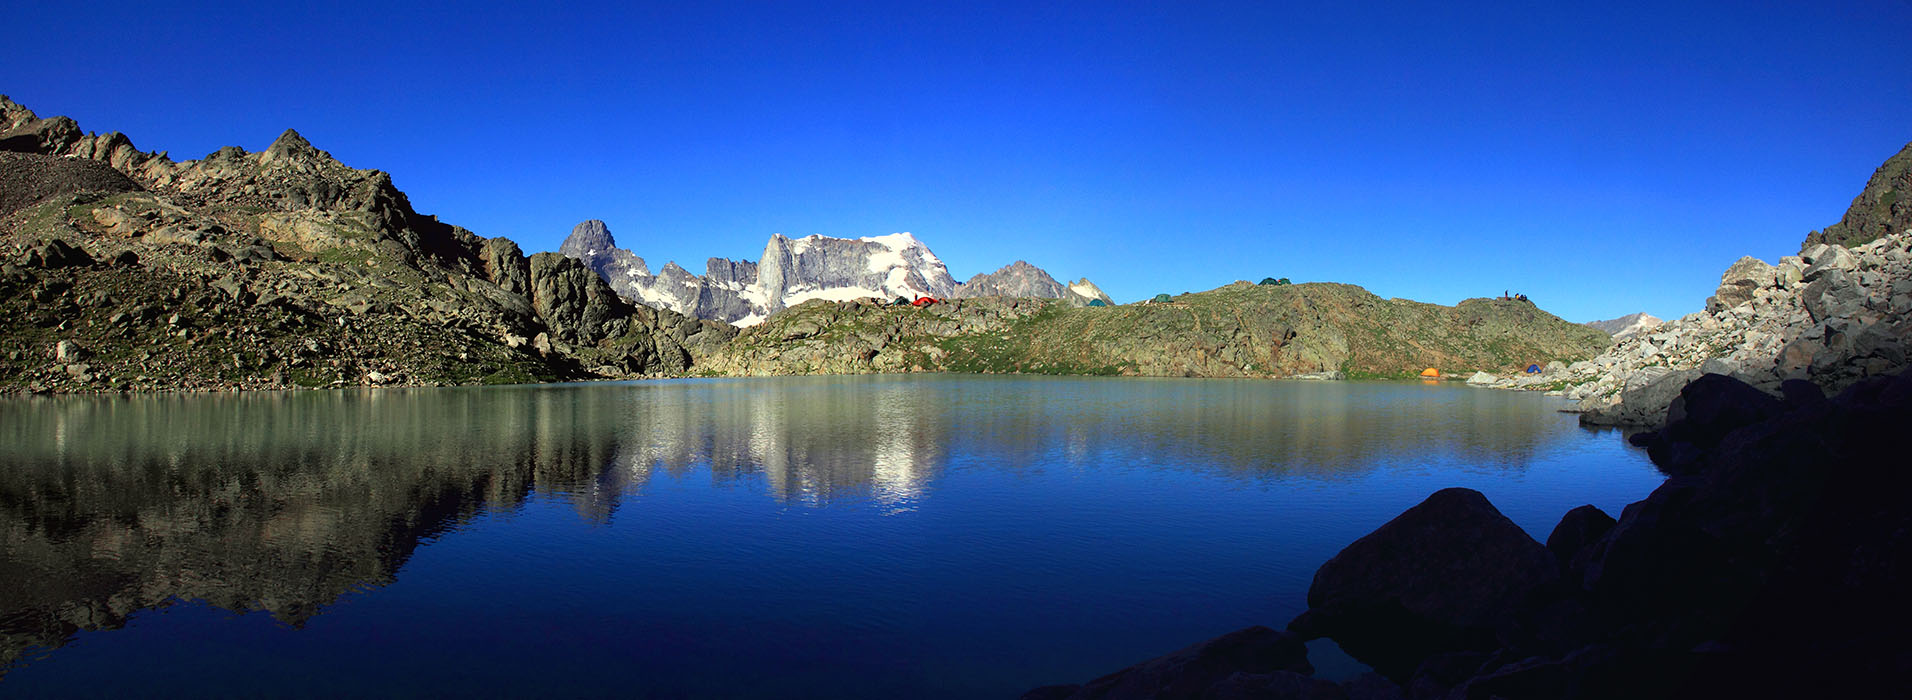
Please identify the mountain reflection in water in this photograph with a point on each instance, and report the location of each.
(285, 502)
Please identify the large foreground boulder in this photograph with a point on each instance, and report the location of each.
(1445, 576)
(1706, 411)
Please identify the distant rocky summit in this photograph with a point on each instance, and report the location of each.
(1021, 279)
(124, 270)
(1628, 326)
(793, 271)
(1240, 330)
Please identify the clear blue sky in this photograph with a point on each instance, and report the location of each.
(1603, 158)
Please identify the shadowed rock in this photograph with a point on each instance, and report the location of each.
(1444, 576)
(1254, 653)
(28, 178)
(1706, 411)
(1578, 528)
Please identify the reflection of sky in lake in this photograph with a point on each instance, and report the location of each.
(866, 535)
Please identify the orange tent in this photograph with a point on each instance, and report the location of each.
(1430, 372)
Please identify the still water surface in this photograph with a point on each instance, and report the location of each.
(933, 536)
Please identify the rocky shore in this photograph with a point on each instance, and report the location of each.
(1836, 313)
(1771, 563)
(1830, 316)
(1242, 330)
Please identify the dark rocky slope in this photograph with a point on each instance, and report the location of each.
(1241, 330)
(281, 268)
(1772, 563)
(1883, 207)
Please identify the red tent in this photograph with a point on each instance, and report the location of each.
(925, 301)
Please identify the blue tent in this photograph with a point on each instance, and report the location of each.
(1097, 302)
(1533, 369)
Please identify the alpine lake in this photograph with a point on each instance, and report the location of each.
(924, 536)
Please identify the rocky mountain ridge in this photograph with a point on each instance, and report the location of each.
(1240, 330)
(792, 271)
(281, 268)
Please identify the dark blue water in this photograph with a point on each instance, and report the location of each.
(939, 536)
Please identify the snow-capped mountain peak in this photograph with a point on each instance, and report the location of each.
(793, 271)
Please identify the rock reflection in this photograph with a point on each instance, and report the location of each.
(273, 502)
(284, 502)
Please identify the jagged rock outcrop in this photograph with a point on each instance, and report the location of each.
(1883, 207)
(1628, 326)
(283, 268)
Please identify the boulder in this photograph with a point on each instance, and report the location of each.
(1707, 410)
(69, 351)
(56, 253)
(1718, 365)
(1745, 276)
(1191, 672)
(1378, 601)
(1834, 294)
(1482, 379)
(1825, 259)
(1800, 393)
(1644, 399)
(1714, 405)
(1790, 272)
(1577, 529)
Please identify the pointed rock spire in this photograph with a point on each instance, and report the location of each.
(291, 144)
